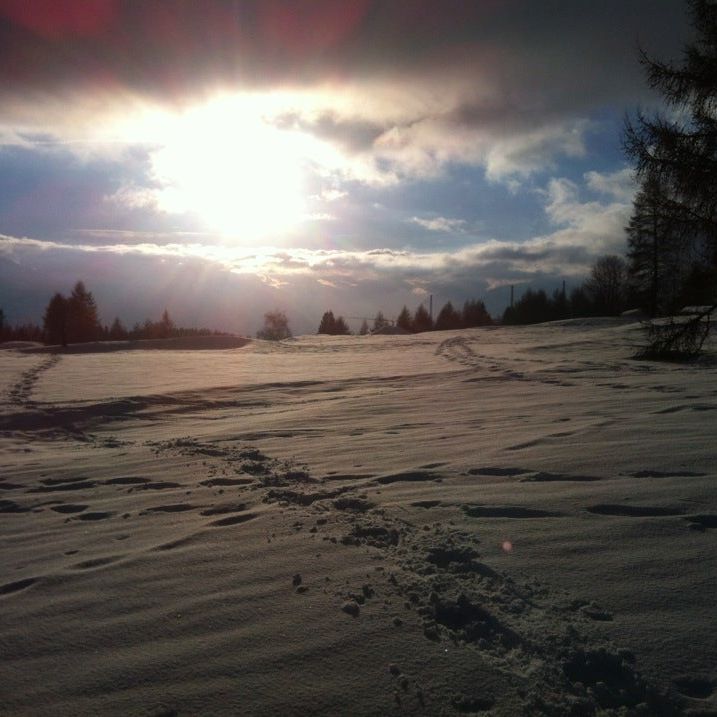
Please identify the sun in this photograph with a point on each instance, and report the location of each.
(226, 163)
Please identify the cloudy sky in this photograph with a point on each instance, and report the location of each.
(224, 158)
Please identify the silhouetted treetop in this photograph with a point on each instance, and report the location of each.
(55, 320)
(448, 318)
(332, 325)
(475, 314)
(679, 150)
(341, 328)
(82, 321)
(327, 323)
(404, 319)
(422, 320)
(380, 322)
(117, 331)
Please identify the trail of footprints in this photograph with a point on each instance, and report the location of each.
(458, 350)
(438, 584)
(19, 394)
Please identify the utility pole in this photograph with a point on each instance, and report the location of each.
(430, 307)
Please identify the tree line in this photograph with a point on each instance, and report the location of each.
(473, 314)
(74, 319)
(606, 292)
(19, 332)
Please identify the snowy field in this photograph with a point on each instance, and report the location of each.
(497, 521)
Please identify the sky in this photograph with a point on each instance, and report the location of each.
(222, 159)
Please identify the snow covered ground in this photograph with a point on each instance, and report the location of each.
(499, 521)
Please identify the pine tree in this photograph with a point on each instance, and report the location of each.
(580, 304)
(364, 328)
(680, 150)
(117, 331)
(475, 314)
(82, 324)
(54, 323)
(404, 319)
(533, 307)
(327, 324)
(341, 328)
(166, 326)
(380, 322)
(654, 247)
(422, 320)
(448, 318)
(559, 305)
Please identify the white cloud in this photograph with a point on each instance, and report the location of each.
(331, 195)
(596, 226)
(134, 197)
(531, 150)
(440, 224)
(619, 184)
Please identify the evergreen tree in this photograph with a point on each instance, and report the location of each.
(422, 320)
(533, 307)
(341, 328)
(117, 331)
(82, 323)
(166, 326)
(364, 328)
(55, 321)
(448, 318)
(328, 323)
(149, 330)
(654, 248)
(475, 314)
(680, 150)
(559, 305)
(404, 319)
(380, 322)
(580, 304)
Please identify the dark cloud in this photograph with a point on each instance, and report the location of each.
(168, 50)
(352, 134)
